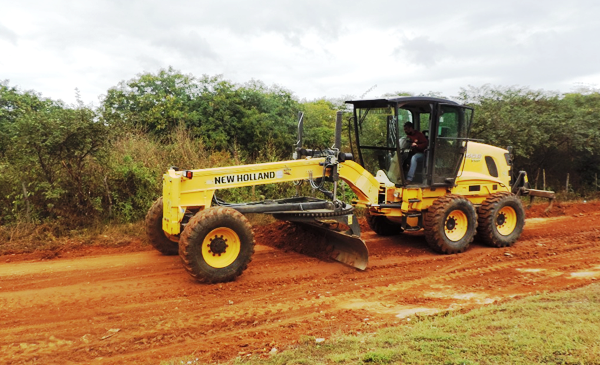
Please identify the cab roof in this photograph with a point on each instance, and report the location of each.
(416, 101)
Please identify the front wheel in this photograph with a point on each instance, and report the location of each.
(501, 220)
(450, 224)
(216, 245)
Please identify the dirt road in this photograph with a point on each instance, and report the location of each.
(141, 307)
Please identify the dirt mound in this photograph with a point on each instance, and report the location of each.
(560, 209)
(288, 236)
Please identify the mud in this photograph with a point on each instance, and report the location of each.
(111, 306)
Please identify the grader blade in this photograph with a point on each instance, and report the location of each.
(347, 249)
(347, 246)
(532, 193)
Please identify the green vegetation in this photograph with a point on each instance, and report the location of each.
(559, 328)
(70, 167)
(558, 134)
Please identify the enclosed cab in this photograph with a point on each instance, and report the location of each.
(456, 179)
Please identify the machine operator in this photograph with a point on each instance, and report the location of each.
(418, 146)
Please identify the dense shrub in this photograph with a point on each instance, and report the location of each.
(76, 165)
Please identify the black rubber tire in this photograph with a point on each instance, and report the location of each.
(489, 213)
(437, 218)
(197, 230)
(382, 225)
(155, 232)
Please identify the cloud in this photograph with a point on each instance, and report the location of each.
(8, 35)
(421, 51)
(314, 48)
(187, 44)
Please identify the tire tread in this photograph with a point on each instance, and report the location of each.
(190, 244)
(382, 225)
(155, 233)
(433, 224)
(485, 229)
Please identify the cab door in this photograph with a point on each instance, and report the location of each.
(451, 130)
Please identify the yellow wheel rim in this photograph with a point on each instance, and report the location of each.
(456, 225)
(506, 221)
(221, 247)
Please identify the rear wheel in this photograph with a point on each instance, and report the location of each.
(450, 224)
(216, 245)
(382, 225)
(501, 220)
(155, 232)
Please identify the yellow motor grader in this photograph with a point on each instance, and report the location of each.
(461, 188)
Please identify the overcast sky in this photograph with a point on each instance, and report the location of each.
(313, 48)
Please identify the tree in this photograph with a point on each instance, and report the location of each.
(158, 102)
(48, 154)
(319, 123)
(226, 116)
(548, 131)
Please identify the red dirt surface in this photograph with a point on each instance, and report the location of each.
(116, 307)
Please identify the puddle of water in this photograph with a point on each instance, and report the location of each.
(479, 298)
(380, 308)
(585, 274)
(441, 286)
(465, 296)
(376, 307)
(536, 221)
(531, 270)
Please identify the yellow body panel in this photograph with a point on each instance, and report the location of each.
(362, 183)
(476, 174)
(476, 168)
(181, 193)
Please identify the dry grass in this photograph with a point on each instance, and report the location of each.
(27, 238)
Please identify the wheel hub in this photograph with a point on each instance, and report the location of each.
(218, 245)
(501, 219)
(450, 224)
(456, 225)
(506, 221)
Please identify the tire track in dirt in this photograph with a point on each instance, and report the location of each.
(143, 307)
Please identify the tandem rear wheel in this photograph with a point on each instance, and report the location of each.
(450, 224)
(382, 225)
(501, 220)
(216, 245)
(155, 233)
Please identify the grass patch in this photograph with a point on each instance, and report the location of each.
(556, 328)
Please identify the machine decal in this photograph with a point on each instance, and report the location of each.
(475, 157)
(230, 179)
